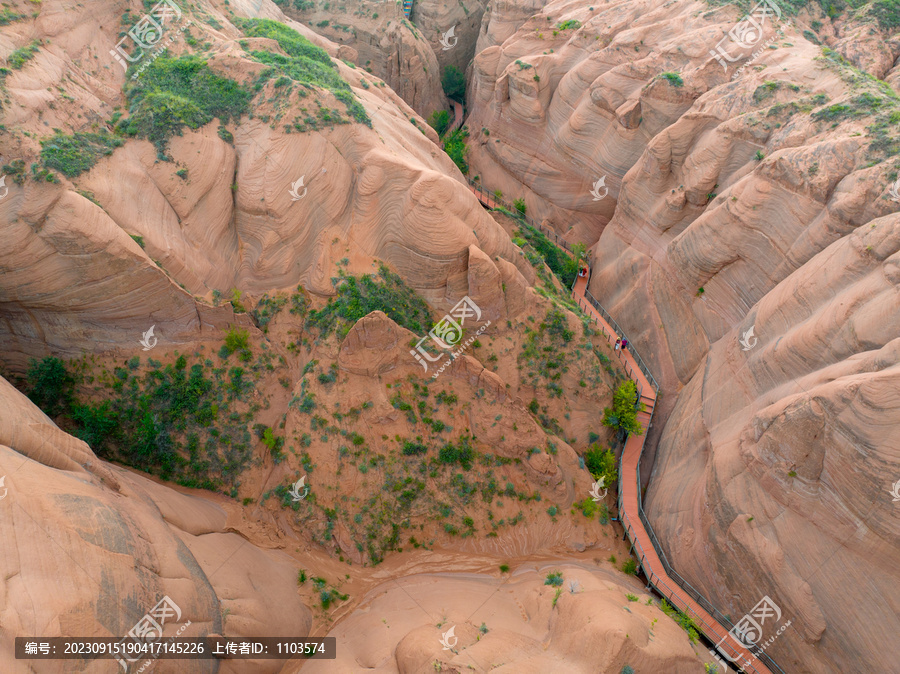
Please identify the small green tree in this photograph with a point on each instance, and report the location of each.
(454, 83)
(622, 416)
(455, 147)
(51, 386)
(520, 205)
(579, 251)
(439, 121)
(602, 463)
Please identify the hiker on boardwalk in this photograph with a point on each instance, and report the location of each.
(624, 343)
(618, 343)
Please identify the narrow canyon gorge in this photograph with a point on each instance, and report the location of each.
(450, 336)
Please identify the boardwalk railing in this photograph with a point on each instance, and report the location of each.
(621, 333)
(658, 582)
(457, 117)
(490, 199)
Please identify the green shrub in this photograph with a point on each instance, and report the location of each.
(305, 63)
(175, 92)
(588, 507)
(15, 169)
(602, 463)
(629, 566)
(411, 448)
(358, 296)
(461, 453)
(455, 147)
(673, 78)
(439, 121)
(623, 414)
(267, 308)
(519, 205)
(571, 23)
(555, 579)
(21, 56)
(274, 444)
(236, 301)
(504, 568)
(454, 83)
(50, 386)
(164, 420)
(236, 339)
(560, 263)
(8, 16)
(444, 397)
(887, 12)
(684, 621)
(75, 154)
(604, 514)
(765, 90)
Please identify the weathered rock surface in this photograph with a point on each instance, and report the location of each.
(760, 202)
(75, 275)
(378, 38)
(436, 18)
(89, 548)
(592, 627)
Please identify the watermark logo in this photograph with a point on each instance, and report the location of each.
(295, 190)
(747, 340)
(449, 639)
(600, 184)
(448, 332)
(748, 631)
(595, 490)
(149, 629)
(746, 35)
(4, 190)
(4, 490)
(449, 39)
(149, 341)
(894, 190)
(297, 487)
(895, 492)
(147, 33)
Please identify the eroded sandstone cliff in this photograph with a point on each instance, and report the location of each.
(748, 245)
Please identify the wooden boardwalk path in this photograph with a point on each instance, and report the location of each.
(650, 556)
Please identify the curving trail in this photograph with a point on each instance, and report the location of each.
(629, 502)
(630, 508)
(457, 116)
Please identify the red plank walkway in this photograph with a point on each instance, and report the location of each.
(629, 486)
